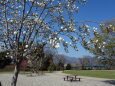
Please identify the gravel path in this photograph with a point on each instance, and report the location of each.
(54, 79)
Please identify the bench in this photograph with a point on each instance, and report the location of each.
(71, 78)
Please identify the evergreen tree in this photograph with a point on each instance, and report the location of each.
(68, 67)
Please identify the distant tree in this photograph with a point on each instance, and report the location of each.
(60, 61)
(87, 60)
(48, 61)
(52, 66)
(36, 58)
(68, 67)
(60, 65)
(106, 61)
(4, 59)
(40, 59)
(3, 55)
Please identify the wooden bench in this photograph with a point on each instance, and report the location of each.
(71, 78)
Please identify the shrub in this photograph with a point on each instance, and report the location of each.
(68, 67)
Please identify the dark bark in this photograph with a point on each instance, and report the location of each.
(0, 84)
(16, 72)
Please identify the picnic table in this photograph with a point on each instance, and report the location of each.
(71, 78)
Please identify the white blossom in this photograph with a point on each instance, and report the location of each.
(15, 32)
(62, 27)
(77, 8)
(31, 0)
(74, 6)
(55, 38)
(73, 30)
(36, 19)
(99, 57)
(102, 24)
(25, 50)
(96, 41)
(11, 57)
(24, 32)
(61, 39)
(70, 44)
(86, 26)
(26, 46)
(88, 42)
(14, 42)
(84, 0)
(94, 29)
(11, 20)
(57, 45)
(88, 30)
(66, 42)
(110, 25)
(50, 42)
(20, 6)
(104, 42)
(65, 29)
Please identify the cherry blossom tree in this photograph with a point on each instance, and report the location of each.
(101, 43)
(26, 23)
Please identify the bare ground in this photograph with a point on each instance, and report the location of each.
(54, 79)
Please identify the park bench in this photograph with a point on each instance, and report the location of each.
(71, 78)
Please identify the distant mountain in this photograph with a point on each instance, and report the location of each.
(71, 59)
(66, 59)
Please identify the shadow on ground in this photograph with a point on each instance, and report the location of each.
(110, 82)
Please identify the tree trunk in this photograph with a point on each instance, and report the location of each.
(0, 83)
(16, 72)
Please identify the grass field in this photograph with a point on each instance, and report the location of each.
(5, 72)
(110, 74)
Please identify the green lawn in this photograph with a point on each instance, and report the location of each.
(5, 72)
(110, 74)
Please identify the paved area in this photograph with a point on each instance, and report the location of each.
(54, 79)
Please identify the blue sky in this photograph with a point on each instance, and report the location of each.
(94, 10)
